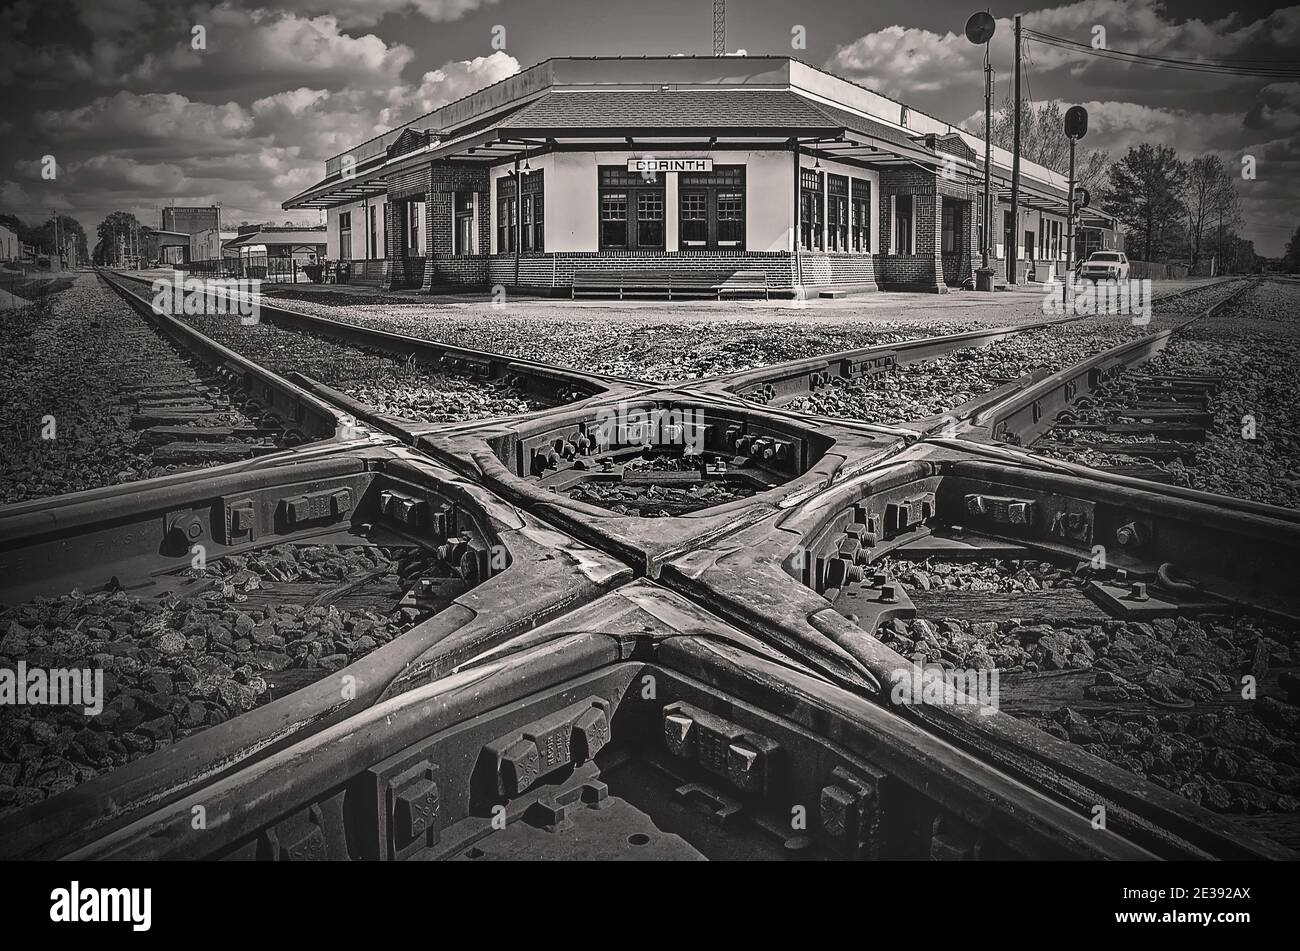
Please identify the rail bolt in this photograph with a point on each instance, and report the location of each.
(679, 732)
(1138, 592)
(1131, 535)
(590, 734)
(415, 809)
(519, 767)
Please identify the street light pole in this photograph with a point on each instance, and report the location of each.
(1013, 245)
(1069, 228)
(979, 30)
(1076, 127)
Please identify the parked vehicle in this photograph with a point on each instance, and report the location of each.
(1105, 266)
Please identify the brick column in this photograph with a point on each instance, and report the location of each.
(439, 230)
(394, 244)
(929, 240)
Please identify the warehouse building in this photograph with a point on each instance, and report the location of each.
(679, 171)
(191, 219)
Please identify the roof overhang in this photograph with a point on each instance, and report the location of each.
(505, 143)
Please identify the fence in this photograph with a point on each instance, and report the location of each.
(275, 269)
(1140, 270)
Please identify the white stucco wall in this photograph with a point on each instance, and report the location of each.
(359, 227)
(572, 197)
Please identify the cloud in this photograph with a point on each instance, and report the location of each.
(1128, 104)
(136, 151)
(353, 13)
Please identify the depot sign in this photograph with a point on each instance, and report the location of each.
(654, 165)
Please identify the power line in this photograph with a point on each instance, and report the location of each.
(1272, 69)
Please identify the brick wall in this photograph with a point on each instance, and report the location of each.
(829, 270)
(819, 268)
(921, 270)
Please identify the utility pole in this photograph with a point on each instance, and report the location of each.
(1076, 127)
(986, 209)
(1015, 168)
(719, 27)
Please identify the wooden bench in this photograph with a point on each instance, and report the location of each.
(745, 282)
(652, 282)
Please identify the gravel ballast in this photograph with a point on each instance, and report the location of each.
(933, 387)
(1161, 698)
(242, 633)
(73, 359)
(1253, 347)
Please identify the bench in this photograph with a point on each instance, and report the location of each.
(651, 282)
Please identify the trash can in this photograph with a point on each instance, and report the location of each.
(984, 278)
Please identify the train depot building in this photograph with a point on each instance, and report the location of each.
(680, 174)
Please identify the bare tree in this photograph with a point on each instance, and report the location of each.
(1043, 140)
(1207, 197)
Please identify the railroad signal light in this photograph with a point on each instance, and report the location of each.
(1081, 197)
(1076, 122)
(980, 27)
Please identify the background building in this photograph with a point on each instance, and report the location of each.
(276, 254)
(191, 219)
(10, 246)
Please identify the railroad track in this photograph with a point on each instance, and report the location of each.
(549, 634)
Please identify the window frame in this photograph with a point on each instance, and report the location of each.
(811, 214)
(345, 235)
(507, 215)
(693, 193)
(462, 217)
(904, 224)
(860, 215)
(614, 181)
(837, 213)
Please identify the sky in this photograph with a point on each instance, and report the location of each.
(137, 117)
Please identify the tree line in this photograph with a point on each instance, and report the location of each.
(42, 236)
(1173, 210)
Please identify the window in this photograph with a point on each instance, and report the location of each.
(613, 220)
(861, 216)
(345, 236)
(1029, 244)
(1008, 248)
(507, 215)
(373, 250)
(952, 226)
(464, 235)
(694, 219)
(530, 236)
(415, 210)
(649, 219)
(731, 219)
(711, 208)
(631, 209)
(837, 212)
(810, 210)
(903, 224)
